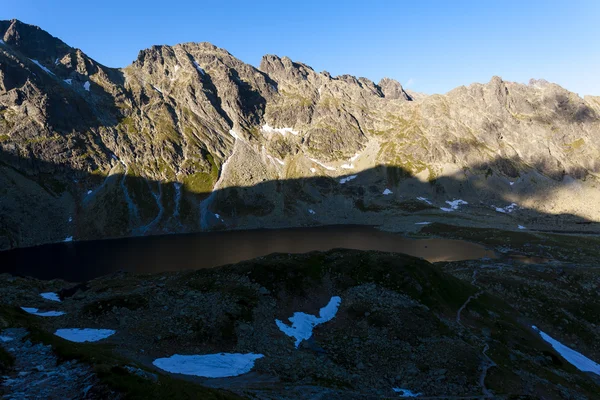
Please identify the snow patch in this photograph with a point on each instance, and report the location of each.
(37, 312)
(405, 392)
(199, 68)
(56, 61)
(210, 365)
(282, 131)
(354, 157)
(348, 166)
(234, 134)
(313, 170)
(386, 192)
(423, 199)
(84, 335)
(2, 41)
(508, 209)
(422, 223)
(68, 239)
(4, 339)
(46, 70)
(454, 204)
(70, 219)
(50, 296)
(347, 179)
(86, 86)
(89, 192)
(311, 211)
(322, 165)
(68, 81)
(521, 227)
(275, 160)
(511, 183)
(303, 324)
(575, 358)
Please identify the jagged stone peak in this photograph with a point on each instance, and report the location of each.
(392, 89)
(284, 68)
(163, 50)
(32, 41)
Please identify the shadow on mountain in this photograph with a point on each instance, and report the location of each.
(46, 202)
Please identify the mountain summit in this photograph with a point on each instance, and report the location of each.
(190, 138)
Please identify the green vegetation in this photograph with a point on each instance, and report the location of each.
(297, 98)
(43, 139)
(576, 145)
(202, 182)
(127, 125)
(110, 367)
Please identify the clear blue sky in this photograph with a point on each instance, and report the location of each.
(429, 46)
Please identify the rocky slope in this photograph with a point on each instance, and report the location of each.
(451, 330)
(190, 138)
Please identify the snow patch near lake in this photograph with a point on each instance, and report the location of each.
(3, 338)
(386, 192)
(328, 168)
(508, 209)
(311, 211)
(422, 223)
(348, 166)
(37, 312)
(423, 199)
(84, 335)
(68, 81)
(575, 358)
(2, 41)
(283, 131)
(454, 204)
(50, 296)
(68, 239)
(354, 157)
(521, 227)
(210, 365)
(86, 86)
(313, 170)
(303, 324)
(46, 70)
(347, 179)
(405, 392)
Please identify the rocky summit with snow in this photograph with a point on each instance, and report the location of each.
(189, 139)
(189, 132)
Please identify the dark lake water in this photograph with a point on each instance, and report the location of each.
(80, 261)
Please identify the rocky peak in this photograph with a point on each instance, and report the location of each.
(32, 41)
(392, 89)
(284, 68)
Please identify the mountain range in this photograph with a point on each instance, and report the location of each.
(189, 138)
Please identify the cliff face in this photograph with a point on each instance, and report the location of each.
(188, 137)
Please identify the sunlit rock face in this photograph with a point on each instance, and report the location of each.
(189, 132)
